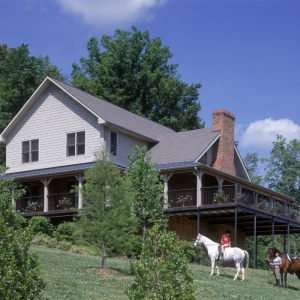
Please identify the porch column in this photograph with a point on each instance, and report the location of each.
(199, 175)
(46, 192)
(220, 183)
(80, 180)
(255, 242)
(166, 188)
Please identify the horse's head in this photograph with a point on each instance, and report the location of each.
(198, 240)
(271, 254)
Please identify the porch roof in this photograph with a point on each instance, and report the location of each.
(48, 171)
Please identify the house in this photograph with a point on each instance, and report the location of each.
(52, 140)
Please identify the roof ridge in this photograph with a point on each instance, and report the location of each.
(106, 101)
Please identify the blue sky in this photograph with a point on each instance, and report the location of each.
(245, 53)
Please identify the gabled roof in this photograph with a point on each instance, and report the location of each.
(186, 146)
(107, 113)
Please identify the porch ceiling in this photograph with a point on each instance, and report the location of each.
(225, 215)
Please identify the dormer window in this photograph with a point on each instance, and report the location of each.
(113, 143)
(76, 143)
(30, 151)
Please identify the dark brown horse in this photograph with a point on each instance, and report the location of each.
(289, 264)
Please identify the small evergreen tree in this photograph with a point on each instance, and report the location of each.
(19, 271)
(146, 187)
(163, 271)
(107, 221)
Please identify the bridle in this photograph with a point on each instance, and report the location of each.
(198, 239)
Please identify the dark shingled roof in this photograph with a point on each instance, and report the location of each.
(116, 115)
(185, 146)
(48, 171)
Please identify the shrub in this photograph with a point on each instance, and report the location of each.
(135, 251)
(40, 224)
(65, 231)
(40, 239)
(76, 249)
(51, 242)
(20, 270)
(64, 245)
(193, 253)
(162, 271)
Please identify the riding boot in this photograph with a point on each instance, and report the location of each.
(278, 282)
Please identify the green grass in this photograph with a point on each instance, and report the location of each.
(67, 278)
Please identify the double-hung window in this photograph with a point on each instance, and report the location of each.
(30, 151)
(113, 143)
(76, 143)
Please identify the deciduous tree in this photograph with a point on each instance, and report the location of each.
(132, 71)
(283, 167)
(20, 271)
(20, 75)
(251, 161)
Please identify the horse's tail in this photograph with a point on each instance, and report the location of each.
(247, 263)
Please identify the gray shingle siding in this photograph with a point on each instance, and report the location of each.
(116, 115)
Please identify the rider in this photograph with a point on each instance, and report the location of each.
(225, 240)
(276, 263)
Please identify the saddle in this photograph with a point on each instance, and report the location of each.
(291, 258)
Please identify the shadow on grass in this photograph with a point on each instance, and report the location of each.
(108, 272)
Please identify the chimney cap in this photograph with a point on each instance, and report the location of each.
(223, 111)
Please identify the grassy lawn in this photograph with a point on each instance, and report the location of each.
(76, 276)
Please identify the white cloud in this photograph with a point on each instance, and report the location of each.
(260, 134)
(111, 12)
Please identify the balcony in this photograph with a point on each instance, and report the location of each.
(36, 204)
(235, 195)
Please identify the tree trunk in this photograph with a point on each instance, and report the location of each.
(103, 256)
(144, 231)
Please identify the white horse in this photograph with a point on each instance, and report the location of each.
(235, 254)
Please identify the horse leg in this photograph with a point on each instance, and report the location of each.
(212, 265)
(285, 276)
(238, 271)
(243, 273)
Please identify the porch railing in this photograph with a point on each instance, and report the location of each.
(36, 204)
(182, 198)
(235, 194)
(30, 204)
(53, 200)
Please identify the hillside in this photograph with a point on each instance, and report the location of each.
(76, 276)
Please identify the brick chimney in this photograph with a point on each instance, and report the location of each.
(223, 121)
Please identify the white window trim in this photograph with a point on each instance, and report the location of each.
(66, 143)
(30, 155)
(117, 139)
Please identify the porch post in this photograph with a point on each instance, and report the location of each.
(166, 188)
(46, 192)
(273, 223)
(13, 201)
(220, 183)
(199, 175)
(80, 180)
(255, 243)
(288, 238)
(235, 227)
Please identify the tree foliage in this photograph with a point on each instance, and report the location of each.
(162, 271)
(146, 188)
(107, 221)
(132, 71)
(20, 271)
(283, 168)
(251, 163)
(20, 75)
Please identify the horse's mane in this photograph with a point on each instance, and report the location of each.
(211, 241)
(276, 250)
